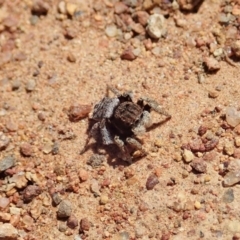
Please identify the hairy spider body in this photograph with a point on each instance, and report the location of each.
(125, 116)
(119, 120)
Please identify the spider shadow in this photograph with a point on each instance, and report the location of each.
(110, 152)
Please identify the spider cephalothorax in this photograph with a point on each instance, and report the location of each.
(119, 120)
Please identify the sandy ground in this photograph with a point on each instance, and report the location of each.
(52, 61)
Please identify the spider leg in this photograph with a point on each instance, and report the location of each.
(136, 145)
(106, 135)
(124, 152)
(155, 106)
(123, 97)
(113, 90)
(94, 132)
(144, 122)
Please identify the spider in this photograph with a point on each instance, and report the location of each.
(119, 121)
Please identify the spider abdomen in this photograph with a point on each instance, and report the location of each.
(126, 114)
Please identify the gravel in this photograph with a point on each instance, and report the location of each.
(72, 222)
(96, 160)
(8, 232)
(30, 192)
(4, 202)
(4, 141)
(152, 181)
(30, 85)
(228, 196)
(199, 165)
(6, 163)
(156, 27)
(64, 209)
(84, 225)
(26, 149)
(56, 198)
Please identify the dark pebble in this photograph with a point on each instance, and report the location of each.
(128, 55)
(84, 225)
(30, 192)
(152, 181)
(72, 222)
(40, 7)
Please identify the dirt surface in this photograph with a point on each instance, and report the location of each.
(56, 61)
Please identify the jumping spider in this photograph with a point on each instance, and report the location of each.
(119, 121)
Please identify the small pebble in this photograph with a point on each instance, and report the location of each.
(62, 7)
(72, 222)
(197, 205)
(84, 225)
(26, 149)
(19, 179)
(6, 163)
(41, 116)
(237, 141)
(111, 30)
(151, 182)
(120, 7)
(8, 232)
(30, 192)
(56, 198)
(142, 17)
(213, 94)
(55, 148)
(236, 48)
(5, 217)
(96, 160)
(128, 54)
(94, 187)
(34, 20)
(12, 125)
(70, 33)
(202, 130)
(4, 202)
(47, 148)
(188, 156)
(4, 141)
(228, 196)
(199, 165)
(231, 178)
(156, 26)
(40, 7)
(62, 227)
(16, 84)
(64, 209)
(232, 116)
(71, 58)
(104, 199)
(71, 8)
(77, 112)
(30, 85)
(83, 175)
(212, 64)
(228, 148)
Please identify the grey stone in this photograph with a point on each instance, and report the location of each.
(64, 209)
(7, 163)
